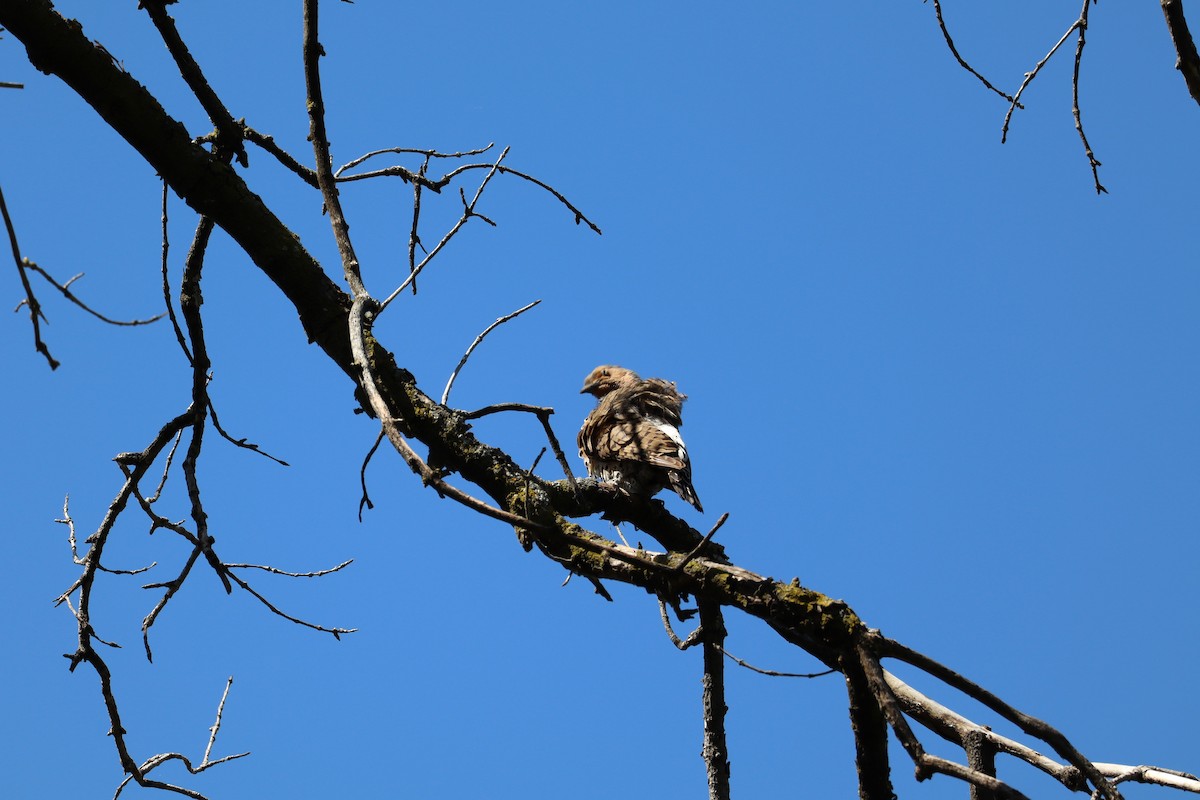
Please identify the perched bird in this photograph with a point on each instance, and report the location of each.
(631, 438)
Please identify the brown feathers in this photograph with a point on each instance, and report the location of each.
(632, 439)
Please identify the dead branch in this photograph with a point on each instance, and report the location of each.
(362, 476)
(715, 750)
(267, 143)
(205, 763)
(412, 150)
(65, 290)
(467, 214)
(703, 543)
(229, 133)
(543, 414)
(937, 8)
(35, 309)
(463, 361)
(320, 142)
(1078, 27)
(1029, 76)
(773, 673)
(1187, 60)
(1087, 147)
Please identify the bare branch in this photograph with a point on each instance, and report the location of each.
(413, 150)
(462, 362)
(925, 764)
(275, 571)
(1154, 775)
(414, 236)
(336, 632)
(1187, 60)
(229, 133)
(205, 763)
(242, 443)
(65, 289)
(362, 477)
(1029, 76)
(267, 143)
(1087, 148)
(166, 280)
(884, 647)
(937, 8)
(772, 673)
(35, 309)
(715, 749)
(543, 414)
(579, 215)
(468, 212)
(320, 142)
(692, 639)
(703, 543)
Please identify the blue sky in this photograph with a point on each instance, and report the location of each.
(930, 374)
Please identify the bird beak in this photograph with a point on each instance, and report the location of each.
(587, 387)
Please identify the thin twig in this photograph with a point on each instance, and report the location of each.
(468, 212)
(1029, 76)
(463, 361)
(216, 726)
(362, 477)
(579, 215)
(65, 289)
(166, 282)
(267, 143)
(206, 762)
(1087, 148)
(35, 309)
(543, 414)
(937, 8)
(312, 52)
(692, 639)
(276, 571)
(414, 236)
(414, 151)
(703, 542)
(336, 632)
(772, 673)
(242, 443)
(162, 482)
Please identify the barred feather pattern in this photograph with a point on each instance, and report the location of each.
(632, 437)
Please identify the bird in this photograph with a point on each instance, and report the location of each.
(631, 438)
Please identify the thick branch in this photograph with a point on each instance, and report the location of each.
(715, 749)
(1187, 60)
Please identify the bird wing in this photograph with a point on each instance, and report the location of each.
(647, 440)
(617, 430)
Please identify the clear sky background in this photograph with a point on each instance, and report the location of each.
(933, 375)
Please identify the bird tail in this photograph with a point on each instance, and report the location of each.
(682, 486)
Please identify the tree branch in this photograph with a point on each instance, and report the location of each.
(715, 749)
(1187, 61)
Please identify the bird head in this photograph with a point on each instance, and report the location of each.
(605, 379)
